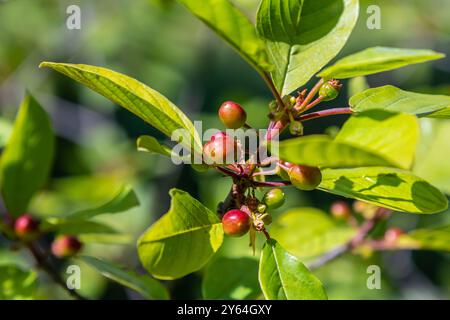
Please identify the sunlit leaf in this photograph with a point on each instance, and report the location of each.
(232, 26)
(303, 36)
(182, 241)
(386, 187)
(283, 277)
(377, 59)
(426, 239)
(143, 101)
(397, 100)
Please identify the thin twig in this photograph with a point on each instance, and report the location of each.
(45, 265)
(310, 96)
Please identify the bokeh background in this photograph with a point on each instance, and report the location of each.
(162, 45)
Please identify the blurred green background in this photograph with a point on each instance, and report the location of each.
(161, 44)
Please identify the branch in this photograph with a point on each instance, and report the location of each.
(356, 241)
(45, 265)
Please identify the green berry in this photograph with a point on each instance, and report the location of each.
(296, 128)
(330, 90)
(232, 115)
(274, 198)
(304, 177)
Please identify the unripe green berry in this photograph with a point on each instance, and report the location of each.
(236, 223)
(340, 210)
(330, 90)
(304, 177)
(66, 246)
(283, 167)
(296, 128)
(232, 115)
(274, 198)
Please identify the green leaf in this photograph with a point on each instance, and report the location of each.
(105, 238)
(386, 187)
(390, 135)
(143, 101)
(232, 26)
(377, 59)
(372, 138)
(283, 277)
(149, 288)
(17, 284)
(432, 149)
(152, 145)
(322, 151)
(397, 100)
(302, 36)
(357, 85)
(124, 200)
(182, 241)
(26, 161)
(309, 232)
(241, 276)
(426, 239)
(75, 227)
(6, 129)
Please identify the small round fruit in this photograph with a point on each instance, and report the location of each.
(26, 226)
(330, 90)
(221, 149)
(66, 246)
(284, 167)
(232, 115)
(296, 128)
(304, 177)
(392, 234)
(340, 210)
(236, 223)
(274, 198)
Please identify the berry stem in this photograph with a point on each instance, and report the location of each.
(324, 113)
(266, 173)
(310, 96)
(272, 88)
(271, 184)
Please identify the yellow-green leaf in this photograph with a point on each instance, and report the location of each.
(397, 100)
(148, 104)
(391, 188)
(182, 241)
(26, 161)
(377, 59)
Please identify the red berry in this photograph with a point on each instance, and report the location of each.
(26, 226)
(66, 246)
(392, 234)
(232, 115)
(340, 210)
(221, 149)
(304, 177)
(236, 223)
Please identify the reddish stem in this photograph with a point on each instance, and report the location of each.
(271, 184)
(325, 113)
